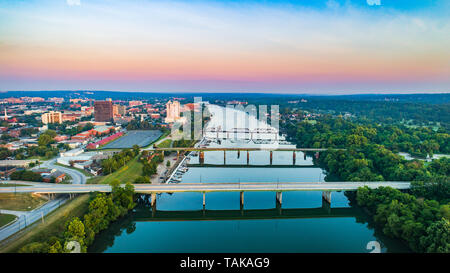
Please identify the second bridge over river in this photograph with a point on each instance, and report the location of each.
(202, 150)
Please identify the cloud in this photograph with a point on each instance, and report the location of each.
(374, 2)
(332, 4)
(73, 2)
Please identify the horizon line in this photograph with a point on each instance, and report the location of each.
(236, 92)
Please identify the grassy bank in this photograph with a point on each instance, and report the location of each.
(11, 185)
(127, 173)
(20, 201)
(52, 226)
(6, 219)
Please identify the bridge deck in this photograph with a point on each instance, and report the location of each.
(291, 166)
(206, 187)
(242, 149)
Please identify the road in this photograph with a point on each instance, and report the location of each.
(205, 187)
(26, 218)
(77, 177)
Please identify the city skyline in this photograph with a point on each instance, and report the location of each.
(305, 47)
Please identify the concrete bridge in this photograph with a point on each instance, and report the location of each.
(268, 149)
(219, 133)
(239, 150)
(153, 189)
(250, 166)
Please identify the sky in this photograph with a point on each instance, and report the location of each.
(313, 47)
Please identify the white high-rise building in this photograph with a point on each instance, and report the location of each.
(172, 111)
(52, 117)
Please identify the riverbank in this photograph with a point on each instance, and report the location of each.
(52, 225)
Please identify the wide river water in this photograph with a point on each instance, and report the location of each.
(304, 223)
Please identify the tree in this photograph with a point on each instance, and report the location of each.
(35, 247)
(75, 231)
(437, 239)
(45, 140)
(142, 180)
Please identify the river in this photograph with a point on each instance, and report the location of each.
(303, 224)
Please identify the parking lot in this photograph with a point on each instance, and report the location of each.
(131, 138)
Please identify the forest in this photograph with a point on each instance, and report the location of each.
(419, 217)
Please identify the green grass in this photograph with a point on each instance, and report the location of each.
(127, 173)
(312, 121)
(53, 224)
(164, 135)
(20, 201)
(165, 144)
(6, 219)
(11, 185)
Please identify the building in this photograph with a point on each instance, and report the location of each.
(56, 100)
(16, 163)
(134, 103)
(119, 110)
(172, 111)
(71, 116)
(103, 111)
(52, 117)
(6, 171)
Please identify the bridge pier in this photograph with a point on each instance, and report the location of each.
(178, 154)
(153, 199)
(248, 157)
(239, 153)
(271, 157)
(304, 155)
(224, 157)
(204, 200)
(326, 206)
(242, 199)
(278, 197)
(326, 195)
(278, 208)
(294, 155)
(202, 157)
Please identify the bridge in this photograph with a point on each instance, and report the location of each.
(267, 149)
(153, 189)
(202, 151)
(280, 166)
(225, 133)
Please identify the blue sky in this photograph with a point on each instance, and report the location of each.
(323, 46)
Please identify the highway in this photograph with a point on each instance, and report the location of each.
(27, 218)
(205, 187)
(77, 177)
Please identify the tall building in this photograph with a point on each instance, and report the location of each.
(103, 111)
(52, 117)
(119, 110)
(172, 111)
